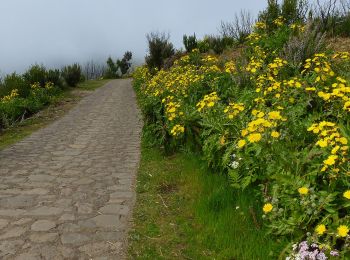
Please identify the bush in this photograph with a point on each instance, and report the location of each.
(72, 74)
(217, 44)
(190, 42)
(54, 76)
(36, 74)
(159, 49)
(304, 45)
(14, 81)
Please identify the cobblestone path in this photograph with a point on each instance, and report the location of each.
(66, 192)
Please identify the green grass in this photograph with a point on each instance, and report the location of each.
(59, 106)
(92, 84)
(184, 211)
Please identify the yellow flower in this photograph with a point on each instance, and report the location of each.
(320, 229)
(267, 207)
(330, 160)
(343, 231)
(222, 140)
(275, 134)
(244, 132)
(343, 140)
(241, 143)
(322, 143)
(275, 115)
(346, 194)
(303, 191)
(254, 138)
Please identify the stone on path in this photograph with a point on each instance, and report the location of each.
(66, 191)
(43, 225)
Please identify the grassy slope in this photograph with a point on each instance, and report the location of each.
(185, 212)
(60, 105)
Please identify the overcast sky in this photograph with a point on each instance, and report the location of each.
(57, 32)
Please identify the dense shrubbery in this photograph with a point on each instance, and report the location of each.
(273, 124)
(14, 107)
(23, 95)
(159, 50)
(72, 74)
(190, 42)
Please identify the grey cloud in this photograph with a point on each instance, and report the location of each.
(57, 32)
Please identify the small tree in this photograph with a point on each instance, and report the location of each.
(159, 49)
(124, 64)
(294, 10)
(270, 14)
(190, 42)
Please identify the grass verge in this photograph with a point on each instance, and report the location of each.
(59, 106)
(183, 211)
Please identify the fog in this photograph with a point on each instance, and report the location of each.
(58, 32)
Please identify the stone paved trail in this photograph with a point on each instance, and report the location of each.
(66, 192)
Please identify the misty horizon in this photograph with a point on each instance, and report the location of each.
(56, 33)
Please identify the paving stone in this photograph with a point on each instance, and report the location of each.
(12, 212)
(3, 223)
(43, 237)
(73, 238)
(43, 225)
(13, 232)
(41, 178)
(67, 217)
(107, 221)
(45, 211)
(8, 248)
(84, 208)
(22, 221)
(116, 209)
(19, 201)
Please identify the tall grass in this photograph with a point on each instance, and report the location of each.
(185, 211)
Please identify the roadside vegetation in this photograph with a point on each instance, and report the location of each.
(271, 125)
(58, 106)
(23, 96)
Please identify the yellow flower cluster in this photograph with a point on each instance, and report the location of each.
(172, 108)
(276, 65)
(253, 37)
(13, 94)
(297, 27)
(254, 65)
(230, 67)
(177, 130)
(321, 65)
(342, 55)
(233, 109)
(208, 101)
(342, 230)
(259, 125)
(49, 85)
(279, 21)
(260, 25)
(331, 139)
(35, 86)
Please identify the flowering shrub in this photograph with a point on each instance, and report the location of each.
(13, 107)
(284, 133)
